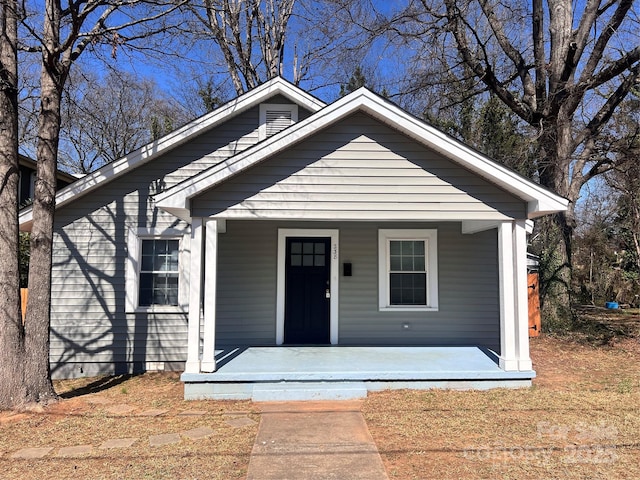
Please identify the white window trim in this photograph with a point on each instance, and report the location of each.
(265, 107)
(134, 248)
(430, 236)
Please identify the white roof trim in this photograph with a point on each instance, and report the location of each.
(178, 137)
(540, 201)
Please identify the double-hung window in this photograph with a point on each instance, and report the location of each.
(159, 272)
(408, 270)
(156, 269)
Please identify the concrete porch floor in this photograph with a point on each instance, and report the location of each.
(342, 373)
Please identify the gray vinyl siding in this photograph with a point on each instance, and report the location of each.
(91, 333)
(468, 287)
(359, 169)
(236, 135)
(468, 312)
(246, 302)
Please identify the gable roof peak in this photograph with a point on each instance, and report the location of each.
(540, 201)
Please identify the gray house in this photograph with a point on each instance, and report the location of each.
(277, 230)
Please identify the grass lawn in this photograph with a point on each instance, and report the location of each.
(98, 410)
(581, 419)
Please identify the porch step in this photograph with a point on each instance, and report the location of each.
(293, 391)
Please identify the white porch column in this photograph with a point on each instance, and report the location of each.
(508, 358)
(210, 278)
(195, 297)
(522, 295)
(514, 320)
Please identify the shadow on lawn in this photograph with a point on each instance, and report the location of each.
(601, 326)
(96, 386)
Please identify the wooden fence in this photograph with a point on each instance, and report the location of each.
(534, 304)
(24, 296)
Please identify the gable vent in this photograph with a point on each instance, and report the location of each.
(275, 118)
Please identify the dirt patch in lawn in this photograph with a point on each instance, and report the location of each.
(562, 364)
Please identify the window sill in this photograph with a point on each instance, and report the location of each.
(408, 308)
(161, 309)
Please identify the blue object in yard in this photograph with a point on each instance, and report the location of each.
(611, 305)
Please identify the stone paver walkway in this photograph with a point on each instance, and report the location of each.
(164, 439)
(295, 441)
(76, 451)
(235, 420)
(118, 443)
(28, 453)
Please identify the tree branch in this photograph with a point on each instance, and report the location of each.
(613, 69)
(100, 29)
(456, 24)
(597, 123)
(522, 70)
(601, 43)
(538, 55)
(580, 37)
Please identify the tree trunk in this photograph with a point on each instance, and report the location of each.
(38, 373)
(555, 148)
(12, 393)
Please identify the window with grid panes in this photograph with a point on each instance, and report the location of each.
(408, 269)
(407, 272)
(159, 272)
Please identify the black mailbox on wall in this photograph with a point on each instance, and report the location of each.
(346, 269)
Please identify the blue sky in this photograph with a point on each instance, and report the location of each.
(171, 73)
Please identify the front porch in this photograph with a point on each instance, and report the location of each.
(341, 373)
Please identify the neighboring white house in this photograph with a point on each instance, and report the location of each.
(277, 219)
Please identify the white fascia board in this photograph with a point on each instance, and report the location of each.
(290, 91)
(543, 206)
(362, 99)
(178, 137)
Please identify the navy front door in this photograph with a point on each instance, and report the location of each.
(307, 291)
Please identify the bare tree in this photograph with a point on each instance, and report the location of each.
(60, 35)
(250, 34)
(624, 180)
(28, 101)
(594, 246)
(562, 67)
(103, 119)
(308, 41)
(11, 328)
